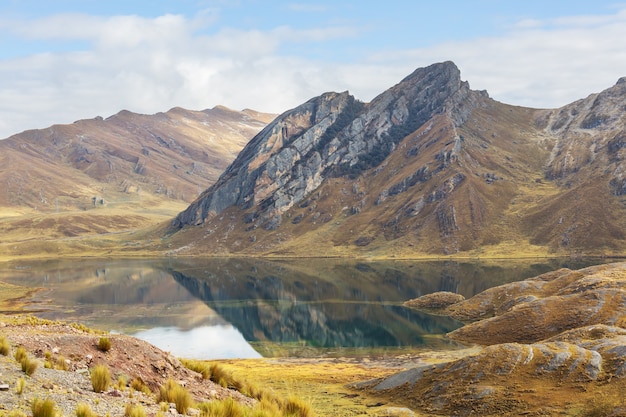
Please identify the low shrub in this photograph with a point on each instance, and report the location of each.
(100, 378)
(104, 344)
(171, 392)
(16, 413)
(43, 408)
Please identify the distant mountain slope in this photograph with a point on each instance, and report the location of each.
(100, 178)
(174, 155)
(428, 167)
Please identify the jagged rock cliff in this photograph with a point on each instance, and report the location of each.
(327, 136)
(429, 166)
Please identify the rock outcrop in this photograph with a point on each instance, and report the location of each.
(560, 331)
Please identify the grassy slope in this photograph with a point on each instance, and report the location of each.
(112, 230)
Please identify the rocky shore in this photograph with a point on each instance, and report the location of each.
(128, 359)
(554, 344)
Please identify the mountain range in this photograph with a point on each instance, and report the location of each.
(428, 167)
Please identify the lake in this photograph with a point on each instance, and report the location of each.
(246, 308)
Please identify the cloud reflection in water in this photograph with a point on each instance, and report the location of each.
(205, 342)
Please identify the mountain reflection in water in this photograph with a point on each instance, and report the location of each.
(219, 308)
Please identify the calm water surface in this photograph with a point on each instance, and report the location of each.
(244, 308)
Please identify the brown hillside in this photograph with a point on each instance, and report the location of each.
(121, 173)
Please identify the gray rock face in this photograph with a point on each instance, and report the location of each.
(332, 134)
(263, 173)
(590, 129)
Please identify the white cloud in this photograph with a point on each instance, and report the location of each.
(152, 64)
(543, 64)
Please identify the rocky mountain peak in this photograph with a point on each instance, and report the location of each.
(332, 135)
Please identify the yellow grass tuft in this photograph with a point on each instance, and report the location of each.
(20, 353)
(5, 347)
(43, 408)
(200, 367)
(19, 386)
(172, 392)
(104, 344)
(100, 378)
(134, 410)
(84, 410)
(29, 366)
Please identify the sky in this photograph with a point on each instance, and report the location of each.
(65, 60)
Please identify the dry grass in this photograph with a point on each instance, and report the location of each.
(134, 410)
(104, 344)
(20, 385)
(61, 363)
(138, 385)
(221, 376)
(200, 367)
(29, 366)
(172, 392)
(5, 347)
(318, 388)
(43, 408)
(223, 408)
(297, 406)
(265, 408)
(20, 353)
(84, 410)
(100, 378)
